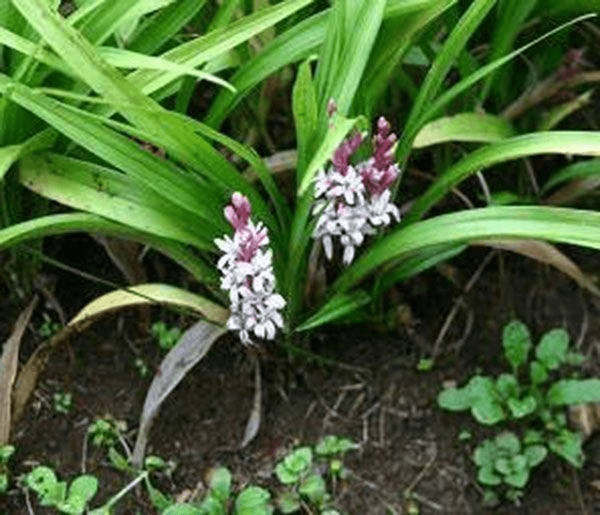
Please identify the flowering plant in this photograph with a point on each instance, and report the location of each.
(356, 200)
(247, 273)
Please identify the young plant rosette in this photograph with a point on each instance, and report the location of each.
(353, 201)
(247, 274)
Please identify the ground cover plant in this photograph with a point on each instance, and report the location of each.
(534, 394)
(110, 145)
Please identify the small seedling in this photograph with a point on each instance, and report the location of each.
(533, 394)
(54, 493)
(142, 368)
(62, 402)
(166, 337)
(6, 452)
(252, 500)
(49, 327)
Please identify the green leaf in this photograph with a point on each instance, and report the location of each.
(304, 106)
(568, 445)
(552, 349)
(118, 460)
(220, 483)
(454, 399)
(574, 391)
(182, 509)
(573, 226)
(535, 454)
(487, 476)
(518, 478)
(516, 341)
(440, 67)
(538, 372)
(288, 502)
(253, 501)
(339, 128)
(81, 491)
(508, 442)
(478, 127)
(507, 386)
(314, 488)
(555, 142)
(295, 465)
(331, 445)
(337, 307)
(520, 408)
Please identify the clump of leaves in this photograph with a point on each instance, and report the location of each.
(304, 473)
(51, 492)
(62, 402)
(166, 336)
(6, 452)
(48, 327)
(533, 394)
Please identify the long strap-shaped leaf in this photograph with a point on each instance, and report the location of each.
(142, 111)
(53, 225)
(556, 142)
(574, 226)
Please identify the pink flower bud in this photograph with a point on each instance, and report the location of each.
(238, 214)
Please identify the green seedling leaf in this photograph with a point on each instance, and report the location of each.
(42, 480)
(212, 506)
(518, 478)
(159, 500)
(253, 501)
(331, 445)
(118, 460)
(507, 387)
(6, 452)
(508, 442)
(485, 406)
(487, 476)
(288, 502)
(532, 437)
(314, 488)
(574, 391)
(154, 463)
(82, 489)
(552, 349)
(516, 342)
(520, 408)
(568, 445)
(454, 399)
(486, 453)
(503, 466)
(220, 483)
(182, 509)
(294, 466)
(538, 373)
(535, 454)
(3, 483)
(575, 359)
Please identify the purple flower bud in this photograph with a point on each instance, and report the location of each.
(384, 143)
(341, 158)
(238, 214)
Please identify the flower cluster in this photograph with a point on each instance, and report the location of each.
(354, 200)
(247, 273)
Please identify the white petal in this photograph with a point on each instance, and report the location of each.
(348, 254)
(328, 247)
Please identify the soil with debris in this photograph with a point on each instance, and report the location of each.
(409, 460)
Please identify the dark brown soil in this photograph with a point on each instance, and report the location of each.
(409, 457)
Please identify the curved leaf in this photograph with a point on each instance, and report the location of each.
(191, 348)
(578, 227)
(584, 143)
(151, 293)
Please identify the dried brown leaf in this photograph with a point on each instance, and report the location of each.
(8, 369)
(544, 253)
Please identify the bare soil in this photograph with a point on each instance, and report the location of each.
(409, 458)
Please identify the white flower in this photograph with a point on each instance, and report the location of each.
(247, 274)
